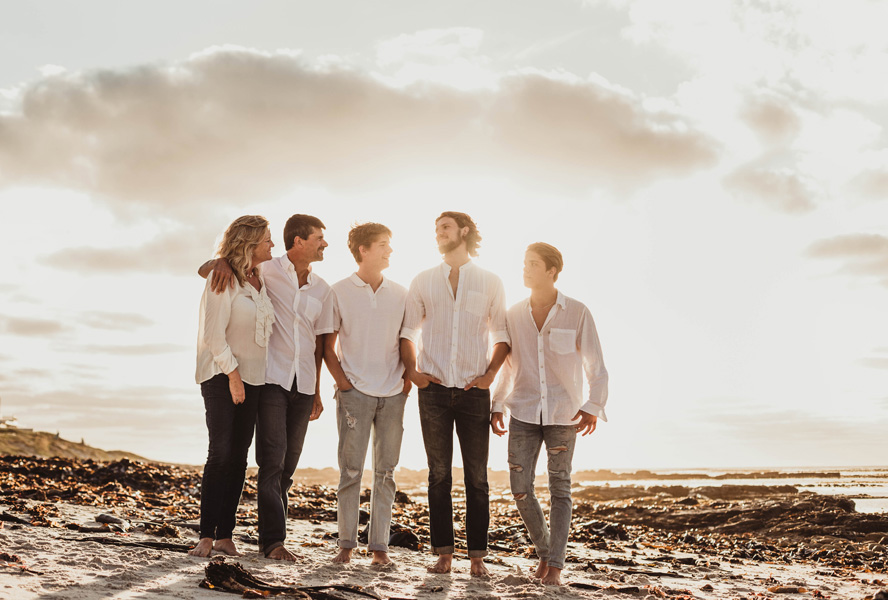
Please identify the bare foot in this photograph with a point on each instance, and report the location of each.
(443, 564)
(380, 558)
(344, 555)
(204, 547)
(542, 568)
(478, 569)
(226, 546)
(281, 553)
(552, 577)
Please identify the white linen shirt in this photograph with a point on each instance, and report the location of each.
(369, 326)
(457, 332)
(542, 379)
(301, 314)
(233, 332)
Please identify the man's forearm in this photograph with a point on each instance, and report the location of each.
(408, 355)
(500, 352)
(319, 358)
(206, 268)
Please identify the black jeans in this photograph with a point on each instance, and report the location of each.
(440, 408)
(230, 427)
(280, 433)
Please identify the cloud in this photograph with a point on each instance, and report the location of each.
(32, 327)
(115, 321)
(173, 253)
(872, 183)
(231, 124)
(772, 117)
(134, 350)
(864, 254)
(784, 189)
(874, 362)
(82, 402)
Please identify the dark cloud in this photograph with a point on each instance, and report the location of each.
(230, 125)
(115, 321)
(32, 327)
(863, 254)
(784, 189)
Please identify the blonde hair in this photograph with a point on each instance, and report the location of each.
(239, 241)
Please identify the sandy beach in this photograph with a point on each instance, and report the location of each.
(628, 542)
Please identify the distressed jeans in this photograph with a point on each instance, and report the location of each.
(230, 427)
(525, 441)
(280, 433)
(440, 409)
(357, 415)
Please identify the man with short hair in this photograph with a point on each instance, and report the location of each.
(371, 389)
(554, 343)
(290, 398)
(457, 310)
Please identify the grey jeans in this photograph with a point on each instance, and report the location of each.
(525, 441)
(357, 415)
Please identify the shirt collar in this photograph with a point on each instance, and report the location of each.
(446, 268)
(290, 268)
(560, 300)
(361, 283)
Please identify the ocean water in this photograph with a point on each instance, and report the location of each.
(868, 487)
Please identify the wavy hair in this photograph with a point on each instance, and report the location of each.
(239, 241)
(473, 237)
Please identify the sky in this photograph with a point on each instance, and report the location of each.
(715, 173)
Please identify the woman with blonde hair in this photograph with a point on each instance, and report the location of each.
(232, 341)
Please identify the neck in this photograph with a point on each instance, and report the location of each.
(370, 276)
(457, 257)
(300, 263)
(543, 296)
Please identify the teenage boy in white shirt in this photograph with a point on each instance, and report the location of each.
(554, 343)
(371, 389)
(458, 310)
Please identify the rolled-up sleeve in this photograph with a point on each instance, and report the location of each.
(414, 314)
(324, 323)
(498, 330)
(217, 313)
(504, 386)
(593, 367)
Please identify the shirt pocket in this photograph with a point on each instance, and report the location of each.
(476, 303)
(563, 341)
(312, 309)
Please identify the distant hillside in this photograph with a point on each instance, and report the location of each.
(25, 442)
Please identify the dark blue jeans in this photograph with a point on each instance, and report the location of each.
(280, 433)
(440, 409)
(230, 428)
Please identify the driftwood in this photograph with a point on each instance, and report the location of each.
(232, 577)
(115, 541)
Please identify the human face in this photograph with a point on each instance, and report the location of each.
(262, 252)
(315, 244)
(376, 255)
(448, 234)
(535, 273)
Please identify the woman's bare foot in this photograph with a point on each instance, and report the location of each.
(542, 568)
(443, 564)
(204, 547)
(380, 558)
(281, 553)
(226, 546)
(552, 576)
(344, 555)
(478, 569)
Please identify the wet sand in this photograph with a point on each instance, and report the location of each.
(628, 541)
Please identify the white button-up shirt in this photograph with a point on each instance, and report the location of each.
(233, 332)
(369, 324)
(542, 379)
(457, 332)
(301, 314)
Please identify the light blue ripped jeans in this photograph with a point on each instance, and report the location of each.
(525, 442)
(357, 415)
